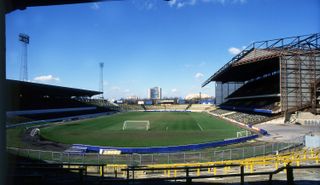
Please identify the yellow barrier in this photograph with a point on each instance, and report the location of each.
(297, 157)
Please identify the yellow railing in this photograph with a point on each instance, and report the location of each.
(306, 156)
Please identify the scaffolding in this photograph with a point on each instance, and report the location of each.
(299, 68)
(299, 71)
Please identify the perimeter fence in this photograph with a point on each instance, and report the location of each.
(161, 158)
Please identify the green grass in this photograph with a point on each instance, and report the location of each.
(14, 137)
(166, 128)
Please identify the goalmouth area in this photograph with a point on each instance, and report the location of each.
(143, 129)
(136, 125)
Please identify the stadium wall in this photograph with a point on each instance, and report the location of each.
(43, 111)
(167, 149)
(222, 90)
(167, 110)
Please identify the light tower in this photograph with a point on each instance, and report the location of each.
(101, 65)
(24, 39)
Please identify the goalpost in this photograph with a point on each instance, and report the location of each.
(243, 133)
(136, 125)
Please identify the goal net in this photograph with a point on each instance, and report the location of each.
(136, 125)
(243, 133)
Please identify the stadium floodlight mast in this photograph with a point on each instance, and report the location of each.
(24, 39)
(6, 7)
(101, 65)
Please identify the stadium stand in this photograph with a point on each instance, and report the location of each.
(177, 107)
(167, 107)
(278, 77)
(253, 102)
(129, 107)
(220, 111)
(33, 101)
(155, 107)
(200, 107)
(99, 103)
(265, 105)
(242, 117)
(47, 103)
(266, 86)
(317, 105)
(247, 118)
(260, 95)
(274, 167)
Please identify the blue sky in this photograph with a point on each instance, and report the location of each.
(145, 43)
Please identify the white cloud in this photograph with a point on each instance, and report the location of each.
(234, 51)
(182, 3)
(198, 75)
(126, 91)
(46, 78)
(95, 6)
(172, 3)
(145, 4)
(174, 90)
(202, 64)
(149, 5)
(115, 88)
(188, 65)
(105, 83)
(195, 64)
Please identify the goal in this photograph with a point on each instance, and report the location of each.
(136, 125)
(243, 133)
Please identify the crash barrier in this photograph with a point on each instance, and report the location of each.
(167, 149)
(210, 155)
(271, 165)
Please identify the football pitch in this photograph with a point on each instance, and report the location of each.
(165, 129)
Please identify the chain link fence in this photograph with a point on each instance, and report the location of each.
(160, 158)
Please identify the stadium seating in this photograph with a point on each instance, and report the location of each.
(200, 107)
(245, 99)
(99, 103)
(155, 107)
(247, 118)
(264, 86)
(167, 107)
(272, 104)
(220, 111)
(34, 109)
(53, 115)
(177, 106)
(46, 103)
(128, 107)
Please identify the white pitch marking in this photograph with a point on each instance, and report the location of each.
(200, 126)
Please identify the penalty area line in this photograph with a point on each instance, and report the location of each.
(200, 126)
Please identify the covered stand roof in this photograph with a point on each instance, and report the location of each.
(262, 57)
(36, 89)
(243, 71)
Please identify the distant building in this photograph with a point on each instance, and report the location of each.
(197, 96)
(132, 98)
(166, 101)
(155, 93)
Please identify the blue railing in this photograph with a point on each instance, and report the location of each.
(168, 149)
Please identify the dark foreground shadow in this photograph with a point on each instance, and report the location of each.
(23, 171)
